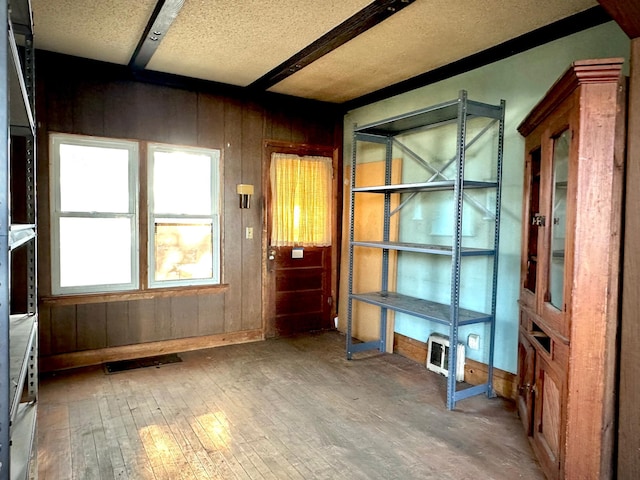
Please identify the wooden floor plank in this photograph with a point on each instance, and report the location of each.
(137, 464)
(54, 443)
(291, 408)
(187, 442)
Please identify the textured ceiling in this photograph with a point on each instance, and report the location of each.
(100, 30)
(238, 41)
(423, 36)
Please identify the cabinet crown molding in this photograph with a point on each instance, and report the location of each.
(580, 72)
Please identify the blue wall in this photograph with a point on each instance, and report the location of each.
(522, 80)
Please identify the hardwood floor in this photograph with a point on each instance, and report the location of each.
(290, 408)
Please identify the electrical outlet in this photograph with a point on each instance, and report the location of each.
(249, 233)
(473, 341)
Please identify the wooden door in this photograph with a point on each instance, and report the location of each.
(548, 434)
(526, 380)
(299, 280)
(550, 186)
(369, 224)
(545, 288)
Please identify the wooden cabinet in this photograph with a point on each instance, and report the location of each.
(569, 269)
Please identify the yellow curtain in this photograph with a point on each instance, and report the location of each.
(301, 200)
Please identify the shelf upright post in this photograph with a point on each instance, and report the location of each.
(32, 250)
(5, 268)
(32, 260)
(386, 232)
(352, 202)
(458, 192)
(496, 242)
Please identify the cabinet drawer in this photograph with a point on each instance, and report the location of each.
(545, 340)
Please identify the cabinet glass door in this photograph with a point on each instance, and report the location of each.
(531, 274)
(559, 216)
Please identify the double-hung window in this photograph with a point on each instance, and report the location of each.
(184, 226)
(94, 200)
(97, 226)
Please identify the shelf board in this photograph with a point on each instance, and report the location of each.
(443, 113)
(22, 336)
(21, 17)
(436, 312)
(21, 114)
(22, 436)
(424, 248)
(20, 234)
(423, 187)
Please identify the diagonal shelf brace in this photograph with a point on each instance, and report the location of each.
(438, 173)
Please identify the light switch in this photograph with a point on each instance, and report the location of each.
(249, 233)
(297, 253)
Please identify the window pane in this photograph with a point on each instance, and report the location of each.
(183, 250)
(301, 201)
(181, 183)
(94, 179)
(558, 226)
(95, 251)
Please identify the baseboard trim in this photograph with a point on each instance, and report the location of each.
(475, 373)
(65, 361)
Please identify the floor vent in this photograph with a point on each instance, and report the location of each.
(438, 356)
(157, 361)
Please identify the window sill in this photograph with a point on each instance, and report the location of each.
(133, 295)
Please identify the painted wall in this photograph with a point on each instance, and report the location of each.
(522, 80)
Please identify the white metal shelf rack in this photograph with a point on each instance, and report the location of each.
(18, 329)
(455, 112)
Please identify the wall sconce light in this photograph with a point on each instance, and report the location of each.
(245, 192)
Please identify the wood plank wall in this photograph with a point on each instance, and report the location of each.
(90, 98)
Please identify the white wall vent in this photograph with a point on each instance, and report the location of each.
(438, 356)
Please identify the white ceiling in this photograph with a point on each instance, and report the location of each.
(238, 41)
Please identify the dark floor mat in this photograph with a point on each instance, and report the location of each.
(157, 361)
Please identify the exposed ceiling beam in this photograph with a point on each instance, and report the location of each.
(626, 13)
(362, 21)
(161, 19)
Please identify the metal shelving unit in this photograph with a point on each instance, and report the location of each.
(388, 134)
(18, 296)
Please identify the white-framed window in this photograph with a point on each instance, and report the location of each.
(183, 212)
(96, 224)
(94, 214)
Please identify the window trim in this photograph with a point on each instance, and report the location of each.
(55, 141)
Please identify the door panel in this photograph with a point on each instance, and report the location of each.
(547, 434)
(526, 379)
(302, 290)
(369, 224)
